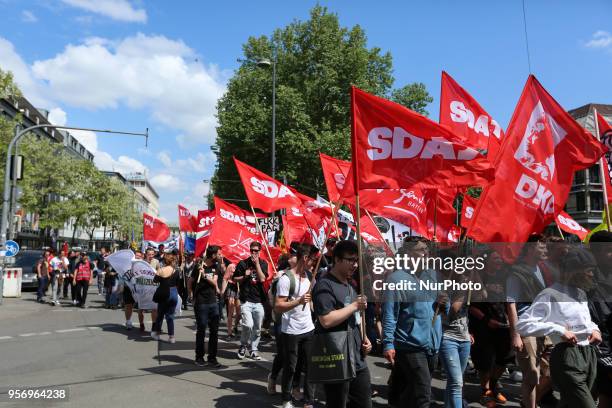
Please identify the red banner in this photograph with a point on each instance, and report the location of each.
(544, 146)
(442, 225)
(569, 225)
(460, 112)
(605, 136)
(394, 147)
(467, 210)
(263, 191)
(233, 230)
(206, 218)
(187, 222)
(335, 172)
(154, 229)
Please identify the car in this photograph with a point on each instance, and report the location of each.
(26, 260)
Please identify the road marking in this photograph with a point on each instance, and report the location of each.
(70, 330)
(28, 334)
(44, 333)
(6, 337)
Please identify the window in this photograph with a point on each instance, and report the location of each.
(579, 177)
(594, 174)
(596, 200)
(576, 202)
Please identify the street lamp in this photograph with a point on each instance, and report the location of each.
(7, 177)
(265, 63)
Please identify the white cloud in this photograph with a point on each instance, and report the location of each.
(164, 157)
(57, 116)
(120, 10)
(141, 72)
(11, 61)
(28, 17)
(601, 40)
(167, 182)
(123, 164)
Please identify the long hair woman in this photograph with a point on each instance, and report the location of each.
(167, 277)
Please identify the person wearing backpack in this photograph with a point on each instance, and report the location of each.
(297, 328)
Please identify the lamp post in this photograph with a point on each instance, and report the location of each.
(7, 178)
(264, 63)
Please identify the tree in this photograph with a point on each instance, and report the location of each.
(317, 62)
(8, 91)
(413, 96)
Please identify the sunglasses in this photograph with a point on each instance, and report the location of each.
(254, 251)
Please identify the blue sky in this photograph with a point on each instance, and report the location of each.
(132, 64)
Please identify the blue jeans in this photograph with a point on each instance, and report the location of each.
(454, 355)
(252, 315)
(166, 309)
(42, 284)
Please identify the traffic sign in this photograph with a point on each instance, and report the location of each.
(12, 248)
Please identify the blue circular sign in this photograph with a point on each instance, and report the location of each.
(12, 248)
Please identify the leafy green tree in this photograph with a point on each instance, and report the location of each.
(8, 91)
(317, 62)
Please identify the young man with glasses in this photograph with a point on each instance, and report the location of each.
(338, 308)
(250, 275)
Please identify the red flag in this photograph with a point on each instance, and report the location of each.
(543, 148)
(335, 172)
(263, 191)
(394, 147)
(187, 222)
(295, 228)
(370, 232)
(605, 135)
(154, 229)
(233, 230)
(569, 225)
(467, 119)
(406, 206)
(442, 225)
(206, 218)
(467, 210)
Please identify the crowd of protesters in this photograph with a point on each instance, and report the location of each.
(546, 316)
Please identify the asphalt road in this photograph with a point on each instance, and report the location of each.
(89, 352)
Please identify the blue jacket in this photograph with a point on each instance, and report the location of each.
(408, 315)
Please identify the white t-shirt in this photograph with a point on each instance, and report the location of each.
(295, 321)
(56, 263)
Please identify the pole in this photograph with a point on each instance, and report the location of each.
(265, 242)
(603, 166)
(559, 229)
(360, 255)
(13, 189)
(435, 219)
(7, 169)
(273, 116)
(385, 242)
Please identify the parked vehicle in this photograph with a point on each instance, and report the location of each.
(26, 260)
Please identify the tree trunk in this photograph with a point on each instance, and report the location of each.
(76, 223)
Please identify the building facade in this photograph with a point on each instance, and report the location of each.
(141, 184)
(585, 202)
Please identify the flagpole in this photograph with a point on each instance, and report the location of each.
(435, 234)
(559, 229)
(264, 241)
(602, 168)
(378, 229)
(356, 188)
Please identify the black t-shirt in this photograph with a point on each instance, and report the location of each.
(330, 294)
(251, 290)
(204, 293)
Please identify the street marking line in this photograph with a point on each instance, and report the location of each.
(94, 328)
(44, 333)
(70, 330)
(28, 334)
(6, 337)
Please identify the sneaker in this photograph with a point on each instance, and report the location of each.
(297, 394)
(255, 356)
(241, 352)
(498, 397)
(229, 337)
(271, 385)
(287, 404)
(74, 302)
(308, 406)
(214, 364)
(129, 325)
(171, 339)
(199, 362)
(154, 335)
